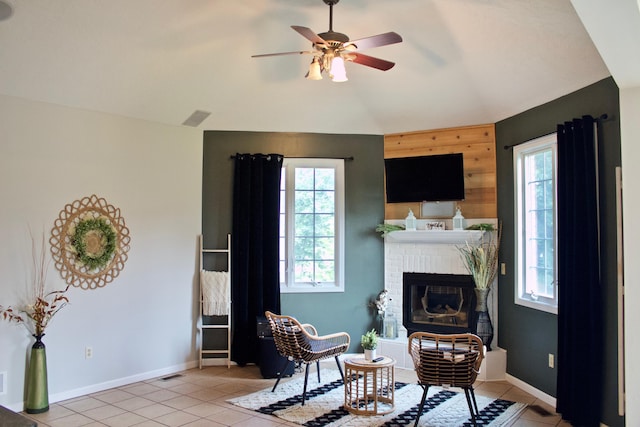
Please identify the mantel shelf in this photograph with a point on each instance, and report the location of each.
(434, 236)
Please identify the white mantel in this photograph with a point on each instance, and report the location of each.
(456, 237)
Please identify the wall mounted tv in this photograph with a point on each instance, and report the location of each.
(436, 178)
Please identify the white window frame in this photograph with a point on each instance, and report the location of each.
(287, 283)
(542, 303)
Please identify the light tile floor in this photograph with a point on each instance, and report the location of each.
(197, 398)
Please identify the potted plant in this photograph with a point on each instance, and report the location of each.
(369, 342)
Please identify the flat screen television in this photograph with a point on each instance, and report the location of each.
(436, 178)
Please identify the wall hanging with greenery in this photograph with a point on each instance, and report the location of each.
(89, 243)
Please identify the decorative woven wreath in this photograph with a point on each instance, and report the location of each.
(89, 243)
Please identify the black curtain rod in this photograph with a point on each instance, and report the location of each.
(308, 157)
(602, 118)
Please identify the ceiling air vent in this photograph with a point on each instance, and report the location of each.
(196, 118)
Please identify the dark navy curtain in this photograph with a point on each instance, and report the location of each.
(255, 261)
(580, 294)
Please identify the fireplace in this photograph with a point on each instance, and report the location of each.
(438, 303)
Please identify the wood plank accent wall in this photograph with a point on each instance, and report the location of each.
(478, 147)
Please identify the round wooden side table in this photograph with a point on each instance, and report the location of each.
(369, 386)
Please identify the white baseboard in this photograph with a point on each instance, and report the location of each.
(119, 382)
(549, 400)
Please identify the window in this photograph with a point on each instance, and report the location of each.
(536, 231)
(312, 225)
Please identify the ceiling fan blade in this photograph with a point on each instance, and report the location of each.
(375, 41)
(309, 34)
(298, 52)
(370, 61)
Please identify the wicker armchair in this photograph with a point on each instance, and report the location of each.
(447, 360)
(300, 343)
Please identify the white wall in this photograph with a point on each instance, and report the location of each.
(630, 131)
(142, 324)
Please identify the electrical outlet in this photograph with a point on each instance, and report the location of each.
(503, 268)
(3, 382)
(88, 352)
(551, 360)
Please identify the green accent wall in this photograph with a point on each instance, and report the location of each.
(529, 335)
(364, 251)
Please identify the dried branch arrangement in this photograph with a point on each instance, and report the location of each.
(481, 259)
(41, 305)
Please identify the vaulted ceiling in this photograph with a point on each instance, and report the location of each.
(462, 62)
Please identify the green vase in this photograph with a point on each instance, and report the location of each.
(37, 389)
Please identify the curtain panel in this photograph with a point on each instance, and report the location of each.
(255, 257)
(580, 293)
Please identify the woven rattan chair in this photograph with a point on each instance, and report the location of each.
(300, 343)
(447, 360)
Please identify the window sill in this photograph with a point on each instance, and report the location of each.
(540, 306)
(310, 289)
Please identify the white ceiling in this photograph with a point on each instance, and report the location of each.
(462, 62)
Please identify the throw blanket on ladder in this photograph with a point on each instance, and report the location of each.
(215, 292)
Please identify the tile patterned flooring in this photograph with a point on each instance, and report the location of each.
(197, 398)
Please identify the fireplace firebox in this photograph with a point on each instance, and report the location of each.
(438, 303)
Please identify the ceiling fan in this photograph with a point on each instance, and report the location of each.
(331, 49)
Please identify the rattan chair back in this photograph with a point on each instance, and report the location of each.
(300, 342)
(446, 360)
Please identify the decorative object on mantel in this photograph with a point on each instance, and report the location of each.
(384, 229)
(434, 225)
(35, 315)
(410, 221)
(369, 342)
(89, 243)
(458, 220)
(481, 261)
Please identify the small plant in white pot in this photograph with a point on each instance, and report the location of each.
(369, 342)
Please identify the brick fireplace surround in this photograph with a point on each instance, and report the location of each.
(431, 251)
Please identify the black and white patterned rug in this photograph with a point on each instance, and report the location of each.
(444, 408)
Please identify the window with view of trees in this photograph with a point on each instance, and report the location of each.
(312, 225)
(536, 232)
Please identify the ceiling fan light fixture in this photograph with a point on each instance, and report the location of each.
(314, 70)
(338, 70)
(331, 49)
